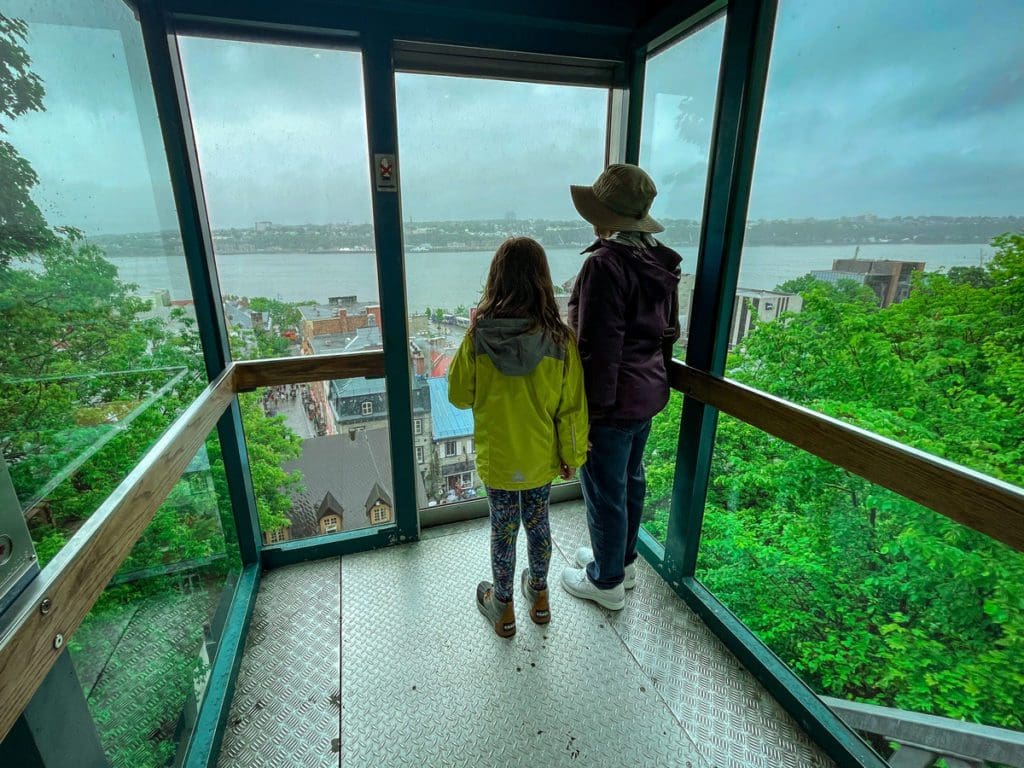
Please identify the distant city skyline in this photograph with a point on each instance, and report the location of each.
(908, 109)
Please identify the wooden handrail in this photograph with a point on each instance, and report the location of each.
(54, 604)
(76, 577)
(73, 581)
(978, 501)
(299, 370)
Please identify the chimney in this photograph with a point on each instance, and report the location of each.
(373, 315)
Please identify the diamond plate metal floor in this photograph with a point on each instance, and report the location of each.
(425, 683)
(285, 712)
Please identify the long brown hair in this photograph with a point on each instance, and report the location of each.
(519, 286)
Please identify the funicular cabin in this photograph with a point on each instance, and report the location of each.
(240, 242)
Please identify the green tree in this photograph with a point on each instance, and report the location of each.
(865, 594)
(23, 229)
(270, 443)
(76, 356)
(284, 315)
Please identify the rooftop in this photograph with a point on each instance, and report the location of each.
(326, 343)
(354, 468)
(357, 341)
(327, 311)
(238, 316)
(358, 387)
(448, 421)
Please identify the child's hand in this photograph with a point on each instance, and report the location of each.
(567, 472)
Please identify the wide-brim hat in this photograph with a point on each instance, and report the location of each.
(619, 201)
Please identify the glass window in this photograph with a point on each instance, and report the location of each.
(875, 283)
(98, 352)
(419, 454)
(505, 154)
(680, 88)
(880, 284)
(417, 425)
(324, 458)
(281, 136)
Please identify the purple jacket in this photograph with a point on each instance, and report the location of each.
(624, 309)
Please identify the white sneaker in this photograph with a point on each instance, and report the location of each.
(575, 582)
(585, 556)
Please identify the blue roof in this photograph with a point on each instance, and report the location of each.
(448, 421)
(357, 387)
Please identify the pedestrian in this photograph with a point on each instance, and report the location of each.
(519, 370)
(624, 309)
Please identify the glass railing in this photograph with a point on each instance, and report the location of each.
(143, 653)
(70, 440)
(866, 595)
(660, 468)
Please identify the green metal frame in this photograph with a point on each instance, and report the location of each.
(197, 241)
(748, 34)
(382, 132)
(471, 25)
(56, 728)
(204, 746)
(749, 30)
(318, 547)
(635, 104)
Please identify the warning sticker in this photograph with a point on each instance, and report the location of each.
(386, 173)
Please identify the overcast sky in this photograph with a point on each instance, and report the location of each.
(912, 108)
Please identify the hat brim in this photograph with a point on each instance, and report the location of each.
(603, 217)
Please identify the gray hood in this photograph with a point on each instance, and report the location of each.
(513, 349)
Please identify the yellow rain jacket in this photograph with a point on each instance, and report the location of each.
(529, 404)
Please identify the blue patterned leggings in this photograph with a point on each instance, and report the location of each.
(506, 509)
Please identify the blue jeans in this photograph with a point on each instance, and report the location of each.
(613, 487)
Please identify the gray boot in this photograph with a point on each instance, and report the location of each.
(501, 615)
(540, 609)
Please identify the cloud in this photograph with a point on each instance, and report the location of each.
(905, 108)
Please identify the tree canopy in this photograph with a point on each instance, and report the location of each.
(23, 229)
(865, 594)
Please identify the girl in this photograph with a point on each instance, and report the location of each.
(518, 369)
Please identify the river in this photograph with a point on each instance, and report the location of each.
(448, 279)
